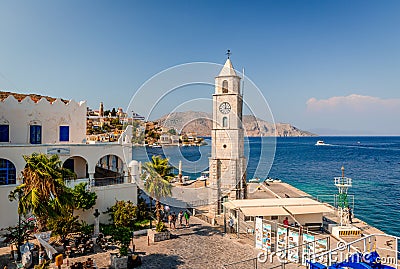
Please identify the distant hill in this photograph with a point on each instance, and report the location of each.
(201, 123)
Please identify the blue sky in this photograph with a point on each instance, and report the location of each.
(328, 66)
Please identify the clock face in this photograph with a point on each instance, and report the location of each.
(225, 108)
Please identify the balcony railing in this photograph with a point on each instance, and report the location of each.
(97, 182)
(106, 181)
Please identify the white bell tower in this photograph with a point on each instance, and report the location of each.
(227, 162)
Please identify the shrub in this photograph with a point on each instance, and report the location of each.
(161, 227)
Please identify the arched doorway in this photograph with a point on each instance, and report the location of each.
(78, 165)
(109, 171)
(8, 175)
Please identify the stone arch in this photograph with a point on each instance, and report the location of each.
(225, 86)
(8, 172)
(109, 170)
(78, 165)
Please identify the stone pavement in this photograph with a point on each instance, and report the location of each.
(199, 246)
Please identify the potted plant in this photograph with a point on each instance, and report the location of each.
(161, 233)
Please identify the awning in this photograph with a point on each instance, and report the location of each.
(272, 202)
(229, 205)
(264, 211)
(299, 210)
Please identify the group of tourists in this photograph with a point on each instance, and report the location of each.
(172, 218)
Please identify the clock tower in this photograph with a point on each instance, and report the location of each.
(227, 162)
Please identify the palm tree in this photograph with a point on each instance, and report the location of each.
(155, 185)
(44, 193)
(162, 167)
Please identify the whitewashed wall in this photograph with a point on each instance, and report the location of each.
(8, 210)
(106, 197)
(20, 115)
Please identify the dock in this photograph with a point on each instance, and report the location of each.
(376, 239)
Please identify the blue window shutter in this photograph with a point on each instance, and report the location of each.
(4, 133)
(64, 133)
(35, 134)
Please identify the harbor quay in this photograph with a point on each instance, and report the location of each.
(209, 243)
(229, 222)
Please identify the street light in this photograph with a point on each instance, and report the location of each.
(19, 226)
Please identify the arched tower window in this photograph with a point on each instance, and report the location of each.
(225, 86)
(224, 122)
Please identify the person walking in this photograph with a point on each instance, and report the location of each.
(174, 220)
(231, 225)
(170, 220)
(180, 218)
(350, 215)
(186, 216)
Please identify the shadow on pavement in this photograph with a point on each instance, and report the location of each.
(162, 261)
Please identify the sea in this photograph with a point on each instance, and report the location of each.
(373, 164)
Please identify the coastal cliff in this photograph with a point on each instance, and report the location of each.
(201, 123)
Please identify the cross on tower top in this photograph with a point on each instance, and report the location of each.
(228, 53)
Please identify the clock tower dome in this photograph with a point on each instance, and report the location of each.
(227, 162)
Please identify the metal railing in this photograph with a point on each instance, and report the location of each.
(259, 262)
(248, 263)
(368, 245)
(106, 181)
(198, 203)
(333, 200)
(97, 182)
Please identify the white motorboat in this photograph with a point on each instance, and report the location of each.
(269, 179)
(204, 175)
(321, 143)
(155, 145)
(254, 180)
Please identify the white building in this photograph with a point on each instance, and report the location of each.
(55, 126)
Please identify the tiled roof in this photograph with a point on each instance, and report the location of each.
(34, 97)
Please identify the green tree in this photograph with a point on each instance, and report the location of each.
(64, 225)
(122, 236)
(123, 213)
(155, 185)
(44, 193)
(82, 198)
(113, 112)
(141, 206)
(172, 131)
(162, 167)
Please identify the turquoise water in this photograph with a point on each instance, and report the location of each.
(372, 162)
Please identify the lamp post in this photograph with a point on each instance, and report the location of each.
(151, 213)
(19, 243)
